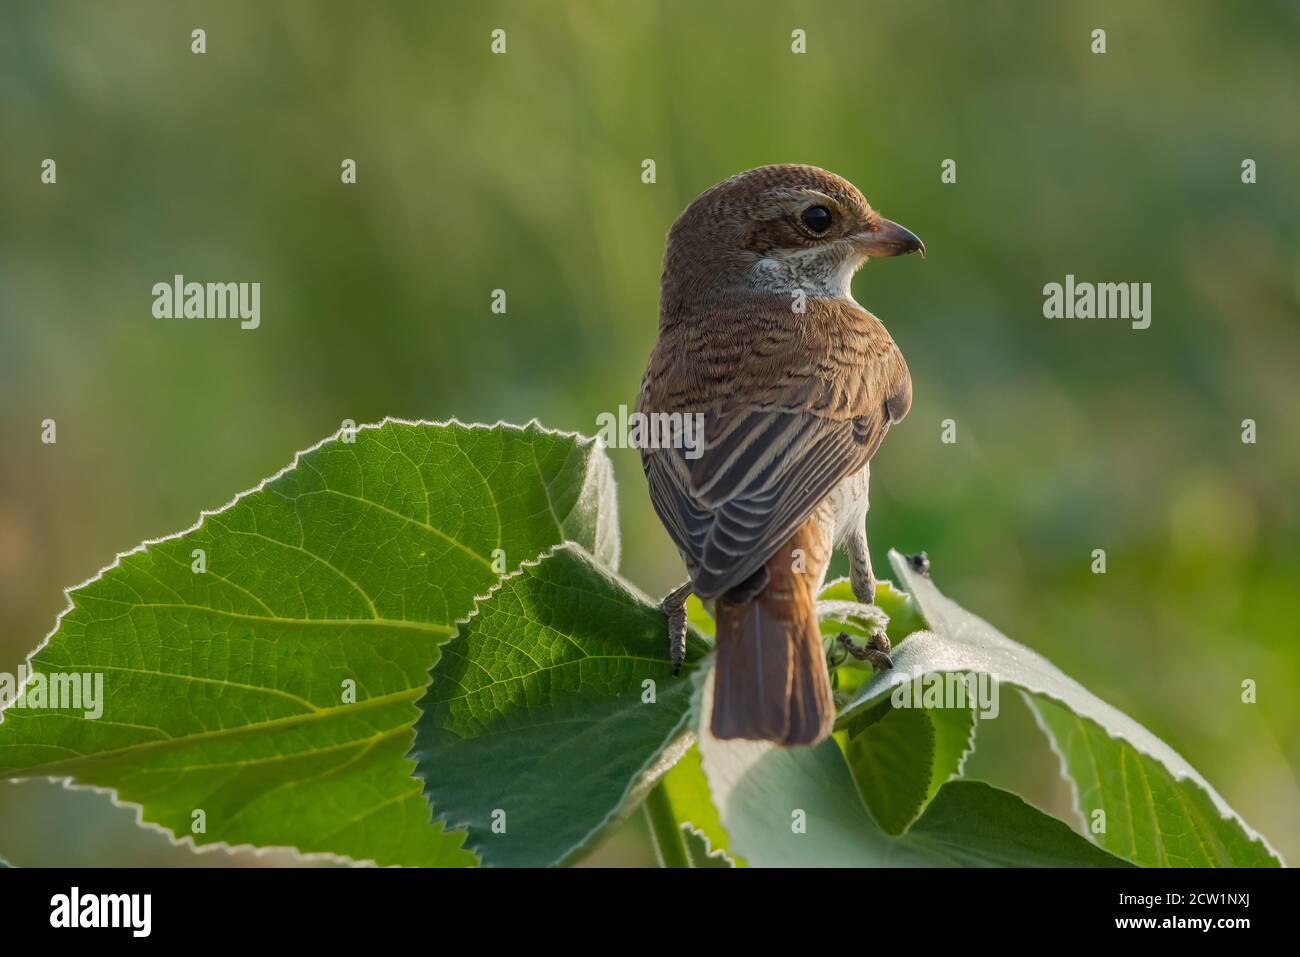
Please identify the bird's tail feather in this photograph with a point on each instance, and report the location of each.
(770, 679)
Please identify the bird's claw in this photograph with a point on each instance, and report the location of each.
(875, 651)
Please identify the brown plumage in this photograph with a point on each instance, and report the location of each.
(771, 676)
(797, 385)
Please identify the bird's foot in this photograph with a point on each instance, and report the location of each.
(674, 606)
(875, 651)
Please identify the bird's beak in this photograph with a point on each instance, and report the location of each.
(887, 238)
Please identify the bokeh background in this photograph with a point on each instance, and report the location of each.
(523, 172)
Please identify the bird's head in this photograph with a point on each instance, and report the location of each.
(778, 229)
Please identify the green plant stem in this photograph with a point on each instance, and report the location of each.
(670, 842)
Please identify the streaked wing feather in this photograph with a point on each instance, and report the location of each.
(762, 472)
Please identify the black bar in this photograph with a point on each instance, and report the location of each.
(334, 906)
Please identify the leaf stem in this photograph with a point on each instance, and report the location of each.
(670, 842)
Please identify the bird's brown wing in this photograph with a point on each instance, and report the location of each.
(762, 474)
(823, 406)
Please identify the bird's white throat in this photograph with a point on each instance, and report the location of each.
(818, 272)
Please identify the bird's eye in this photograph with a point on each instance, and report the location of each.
(817, 219)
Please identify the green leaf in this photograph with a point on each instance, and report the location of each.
(837, 604)
(973, 824)
(798, 807)
(839, 611)
(538, 725)
(703, 854)
(699, 618)
(1160, 810)
(901, 757)
(688, 793)
(225, 689)
(1149, 815)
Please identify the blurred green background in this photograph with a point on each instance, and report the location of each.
(523, 172)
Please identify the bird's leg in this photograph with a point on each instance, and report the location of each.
(876, 650)
(862, 581)
(674, 606)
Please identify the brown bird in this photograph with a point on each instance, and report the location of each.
(795, 384)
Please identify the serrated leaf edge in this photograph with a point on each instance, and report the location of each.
(1225, 810)
(257, 850)
(711, 852)
(642, 774)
